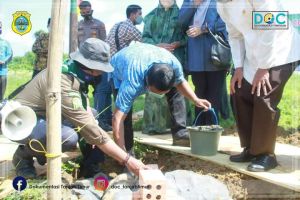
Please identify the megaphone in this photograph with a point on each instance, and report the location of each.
(17, 121)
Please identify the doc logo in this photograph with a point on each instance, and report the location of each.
(21, 23)
(270, 20)
(19, 183)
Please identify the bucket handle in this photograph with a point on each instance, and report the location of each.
(212, 111)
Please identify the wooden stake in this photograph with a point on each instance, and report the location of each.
(53, 97)
(73, 27)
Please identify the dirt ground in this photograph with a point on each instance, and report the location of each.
(240, 186)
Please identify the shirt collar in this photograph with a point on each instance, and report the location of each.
(129, 21)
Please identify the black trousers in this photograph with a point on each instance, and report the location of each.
(257, 117)
(3, 83)
(209, 85)
(177, 108)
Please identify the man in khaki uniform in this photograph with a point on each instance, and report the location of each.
(89, 27)
(89, 62)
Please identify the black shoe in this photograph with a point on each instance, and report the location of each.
(89, 170)
(263, 163)
(41, 160)
(182, 140)
(23, 164)
(245, 156)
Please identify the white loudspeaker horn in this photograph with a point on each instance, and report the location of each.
(17, 121)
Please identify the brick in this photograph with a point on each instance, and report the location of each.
(154, 184)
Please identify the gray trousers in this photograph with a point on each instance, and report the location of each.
(69, 137)
(257, 117)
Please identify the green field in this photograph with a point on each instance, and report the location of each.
(289, 105)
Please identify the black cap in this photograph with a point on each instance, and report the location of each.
(85, 4)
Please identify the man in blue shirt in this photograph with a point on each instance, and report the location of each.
(141, 67)
(5, 57)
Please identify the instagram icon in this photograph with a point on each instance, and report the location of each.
(101, 183)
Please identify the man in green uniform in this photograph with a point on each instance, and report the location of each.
(162, 29)
(90, 61)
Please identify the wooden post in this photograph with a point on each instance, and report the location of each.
(73, 43)
(53, 97)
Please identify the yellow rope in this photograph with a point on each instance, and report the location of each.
(48, 155)
(77, 130)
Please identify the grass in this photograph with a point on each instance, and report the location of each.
(29, 193)
(289, 105)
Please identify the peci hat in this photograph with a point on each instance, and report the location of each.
(94, 54)
(84, 4)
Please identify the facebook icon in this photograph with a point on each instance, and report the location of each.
(19, 183)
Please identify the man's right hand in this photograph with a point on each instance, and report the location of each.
(237, 77)
(135, 165)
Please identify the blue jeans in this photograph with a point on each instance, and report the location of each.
(69, 137)
(102, 99)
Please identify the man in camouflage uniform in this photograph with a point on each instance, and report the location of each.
(90, 61)
(90, 27)
(40, 48)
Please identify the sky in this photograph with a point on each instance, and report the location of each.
(108, 11)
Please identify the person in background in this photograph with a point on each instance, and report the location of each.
(162, 29)
(142, 67)
(40, 49)
(196, 16)
(264, 61)
(90, 27)
(119, 37)
(123, 33)
(78, 73)
(5, 57)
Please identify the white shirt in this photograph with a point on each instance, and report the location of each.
(253, 49)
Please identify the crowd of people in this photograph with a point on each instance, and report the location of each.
(175, 43)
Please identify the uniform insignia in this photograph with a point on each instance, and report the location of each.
(21, 23)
